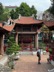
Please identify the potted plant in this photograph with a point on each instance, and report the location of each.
(13, 47)
(12, 51)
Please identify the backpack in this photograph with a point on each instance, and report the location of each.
(38, 54)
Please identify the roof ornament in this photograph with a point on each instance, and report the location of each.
(33, 16)
(9, 21)
(19, 16)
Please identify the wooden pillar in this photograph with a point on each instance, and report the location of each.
(22, 46)
(16, 38)
(36, 41)
(2, 45)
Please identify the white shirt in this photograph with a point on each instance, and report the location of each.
(39, 50)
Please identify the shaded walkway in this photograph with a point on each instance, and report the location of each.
(28, 63)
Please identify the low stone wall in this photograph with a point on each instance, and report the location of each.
(4, 60)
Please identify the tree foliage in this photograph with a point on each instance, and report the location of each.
(51, 9)
(12, 14)
(6, 11)
(3, 17)
(1, 9)
(3, 14)
(33, 11)
(24, 10)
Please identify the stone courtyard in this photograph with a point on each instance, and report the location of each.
(28, 63)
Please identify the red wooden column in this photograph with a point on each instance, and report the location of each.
(2, 45)
(16, 38)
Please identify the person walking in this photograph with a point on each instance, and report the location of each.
(39, 55)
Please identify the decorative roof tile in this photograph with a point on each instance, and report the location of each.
(27, 20)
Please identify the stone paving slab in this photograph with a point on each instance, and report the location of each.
(28, 63)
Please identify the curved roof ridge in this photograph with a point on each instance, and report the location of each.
(27, 20)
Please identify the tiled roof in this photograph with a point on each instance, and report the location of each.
(2, 30)
(49, 23)
(27, 20)
(9, 27)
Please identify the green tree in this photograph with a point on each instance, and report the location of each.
(24, 9)
(1, 9)
(6, 10)
(51, 9)
(16, 12)
(3, 17)
(3, 13)
(12, 14)
(33, 11)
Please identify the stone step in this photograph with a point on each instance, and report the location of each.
(25, 53)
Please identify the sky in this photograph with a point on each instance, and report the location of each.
(40, 5)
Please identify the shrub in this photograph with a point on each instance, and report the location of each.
(5, 69)
(13, 47)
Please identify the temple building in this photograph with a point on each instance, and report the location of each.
(27, 29)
